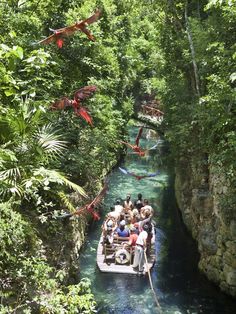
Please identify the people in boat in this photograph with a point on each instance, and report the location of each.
(146, 209)
(136, 215)
(121, 231)
(118, 207)
(129, 223)
(147, 221)
(139, 202)
(140, 248)
(114, 214)
(108, 229)
(128, 205)
(133, 237)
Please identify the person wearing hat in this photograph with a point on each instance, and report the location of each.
(146, 210)
(121, 230)
(108, 229)
(140, 246)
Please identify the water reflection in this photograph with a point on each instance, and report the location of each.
(177, 282)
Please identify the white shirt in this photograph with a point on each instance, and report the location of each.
(118, 208)
(142, 238)
(114, 214)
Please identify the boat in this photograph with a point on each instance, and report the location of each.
(118, 257)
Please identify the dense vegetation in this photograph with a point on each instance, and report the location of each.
(198, 43)
(181, 51)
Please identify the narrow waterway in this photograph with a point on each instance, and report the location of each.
(178, 284)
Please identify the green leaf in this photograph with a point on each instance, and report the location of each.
(9, 92)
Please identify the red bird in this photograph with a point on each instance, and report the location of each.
(90, 207)
(59, 34)
(136, 148)
(79, 96)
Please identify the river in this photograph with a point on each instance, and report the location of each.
(178, 284)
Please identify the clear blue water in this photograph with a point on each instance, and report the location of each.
(177, 282)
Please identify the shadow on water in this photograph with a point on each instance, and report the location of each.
(178, 284)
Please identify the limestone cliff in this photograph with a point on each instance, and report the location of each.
(201, 191)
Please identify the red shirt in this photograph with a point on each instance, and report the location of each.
(132, 239)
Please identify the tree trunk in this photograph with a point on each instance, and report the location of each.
(190, 40)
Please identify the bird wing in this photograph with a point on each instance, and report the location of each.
(47, 40)
(61, 103)
(126, 143)
(66, 31)
(88, 33)
(126, 171)
(100, 196)
(138, 136)
(85, 92)
(153, 174)
(123, 170)
(69, 30)
(79, 211)
(89, 207)
(153, 147)
(93, 18)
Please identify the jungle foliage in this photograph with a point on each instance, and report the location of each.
(198, 45)
(183, 52)
(45, 154)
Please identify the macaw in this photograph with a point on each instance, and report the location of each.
(59, 34)
(79, 96)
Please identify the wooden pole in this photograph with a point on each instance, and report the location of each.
(151, 285)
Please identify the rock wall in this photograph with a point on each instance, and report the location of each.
(201, 191)
(62, 240)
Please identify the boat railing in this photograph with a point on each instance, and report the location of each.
(114, 251)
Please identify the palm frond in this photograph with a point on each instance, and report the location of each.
(66, 201)
(50, 141)
(6, 156)
(59, 178)
(7, 189)
(11, 174)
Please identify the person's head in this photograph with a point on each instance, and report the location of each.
(128, 197)
(122, 224)
(133, 230)
(118, 202)
(140, 196)
(122, 216)
(109, 225)
(146, 228)
(112, 208)
(145, 201)
(137, 218)
(129, 220)
(147, 213)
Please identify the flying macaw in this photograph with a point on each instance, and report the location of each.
(59, 34)
(135, 147)
(79, 96)
(89, 207)
(138, 177)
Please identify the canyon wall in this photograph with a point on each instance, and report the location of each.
(202, 191)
